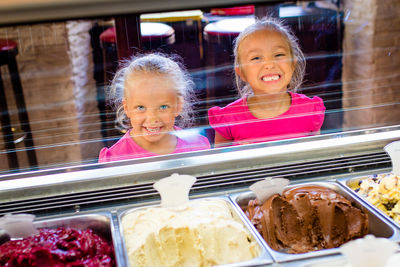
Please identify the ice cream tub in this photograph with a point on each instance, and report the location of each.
(202, 232)
(101, 224)
(368, 251)
(380, 191)
(375, 225)
(325, 261)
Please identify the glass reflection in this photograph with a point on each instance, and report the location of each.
(66, 68)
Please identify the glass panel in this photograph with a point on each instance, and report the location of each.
(65, 69)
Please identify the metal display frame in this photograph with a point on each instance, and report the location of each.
(20, 189)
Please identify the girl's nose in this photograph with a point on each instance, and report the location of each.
(269, 64)
(152, 115)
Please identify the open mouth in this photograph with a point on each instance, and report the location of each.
(152, 130)
(271, 78)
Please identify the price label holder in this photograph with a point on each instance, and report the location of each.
(268, 187)
(174, 190)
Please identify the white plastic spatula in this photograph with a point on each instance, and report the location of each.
(368, 251)
(18, 225)
(268, 187)
(393, 149)
(174, 190)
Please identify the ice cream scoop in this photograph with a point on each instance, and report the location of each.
(18, 225)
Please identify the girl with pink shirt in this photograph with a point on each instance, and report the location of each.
(153, 96)
(269, 68)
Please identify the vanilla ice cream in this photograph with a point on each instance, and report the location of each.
(198, 233)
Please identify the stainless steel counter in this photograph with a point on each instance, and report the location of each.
(232, 168)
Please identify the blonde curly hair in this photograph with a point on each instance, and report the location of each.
(270, 23)
(156, 63)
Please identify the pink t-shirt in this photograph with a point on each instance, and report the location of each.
(236, 122)
(126, 148)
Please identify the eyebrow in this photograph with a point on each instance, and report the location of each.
(275, 47)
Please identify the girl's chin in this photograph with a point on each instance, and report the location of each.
(271, 91)
(144, 133)
(150, 139)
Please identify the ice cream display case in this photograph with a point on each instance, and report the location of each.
(117, 189)
(64, 190)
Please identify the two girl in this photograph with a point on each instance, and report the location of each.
(269, 68)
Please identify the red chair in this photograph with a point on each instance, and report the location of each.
(8, 52)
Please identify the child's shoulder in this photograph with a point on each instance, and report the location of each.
(305, 102)
(124, 144)
(191, 138)
(234, 107)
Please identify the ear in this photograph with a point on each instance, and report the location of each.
(294, 62)
(179, 106)
(125, 105)
(239, 72)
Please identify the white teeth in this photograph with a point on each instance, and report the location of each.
(270, 78)
(153, 130)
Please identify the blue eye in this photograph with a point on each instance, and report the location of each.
(140, 108)
(164, 107)
(280, 55)
(255, 58)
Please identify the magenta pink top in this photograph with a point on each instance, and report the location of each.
(126, 148)
(235, 121)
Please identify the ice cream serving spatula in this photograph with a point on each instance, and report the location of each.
(268, 187)
(393, 149)
(174, 190)
(18, 225)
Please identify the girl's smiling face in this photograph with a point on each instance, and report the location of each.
(266, 62)
(151, 103)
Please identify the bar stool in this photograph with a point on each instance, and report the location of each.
(217, 14)
(219, 38)
(154, 36)
(233, 11)
(188, 33)
(8, 52)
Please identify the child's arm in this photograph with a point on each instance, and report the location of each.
(220, 141)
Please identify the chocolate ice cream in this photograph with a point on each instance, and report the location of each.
(307, 218)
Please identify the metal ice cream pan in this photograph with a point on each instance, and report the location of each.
(263, 258)
(100, 223)
(327, 261)
(353, 182)
(377, 225)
